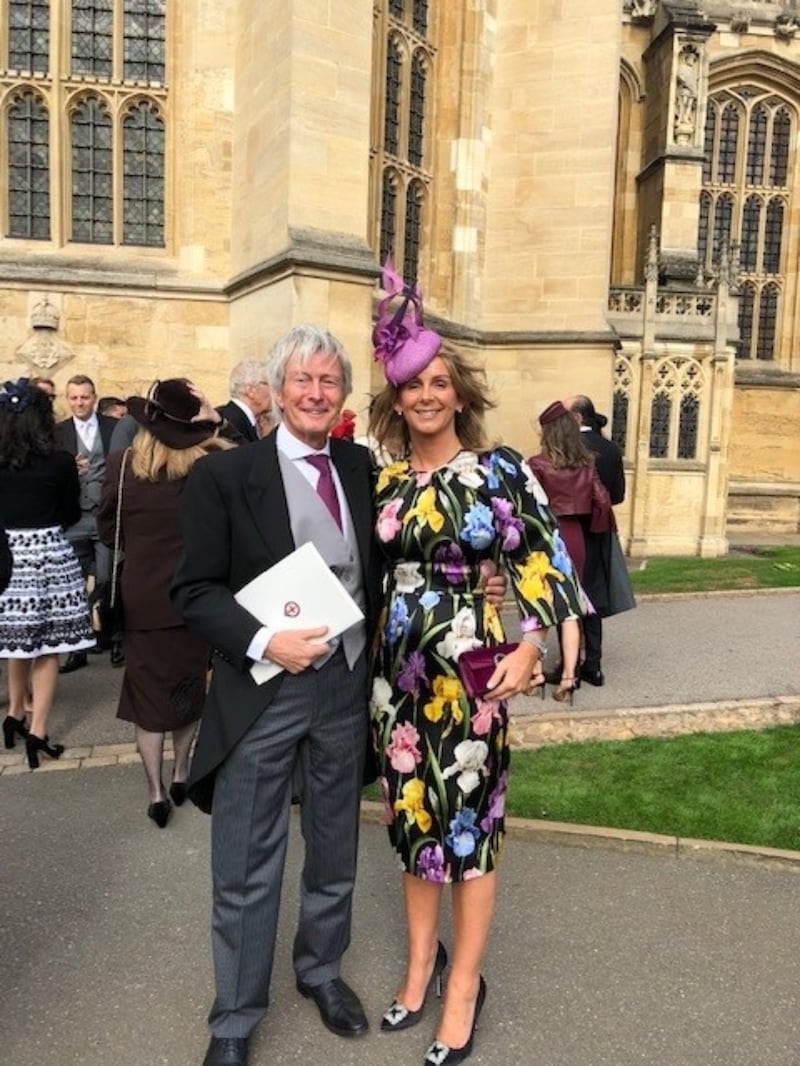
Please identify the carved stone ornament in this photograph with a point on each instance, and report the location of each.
(643, 9)
(786, 27)
(740, 23)
(43, 349)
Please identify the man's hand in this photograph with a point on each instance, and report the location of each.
(296, 649)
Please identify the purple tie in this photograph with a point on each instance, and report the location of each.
(326, 490)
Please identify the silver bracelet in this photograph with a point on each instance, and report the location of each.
(534, 642)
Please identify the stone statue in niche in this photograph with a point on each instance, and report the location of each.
(686, 92)
(44, 350)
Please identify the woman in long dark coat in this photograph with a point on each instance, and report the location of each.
(163, 688)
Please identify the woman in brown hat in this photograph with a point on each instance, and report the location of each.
(163, 687)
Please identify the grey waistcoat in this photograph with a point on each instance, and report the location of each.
(311, 520)
(92, 482)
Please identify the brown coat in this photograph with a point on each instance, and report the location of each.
(151, 539)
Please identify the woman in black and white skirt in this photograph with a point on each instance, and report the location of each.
(44, 610)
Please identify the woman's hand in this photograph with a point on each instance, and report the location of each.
(513, 673)
(207, 412)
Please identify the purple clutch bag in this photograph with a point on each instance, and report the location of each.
(477, 666)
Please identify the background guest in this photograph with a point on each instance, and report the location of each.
(163, 687)
(250, 398)
(87, 436)
(579, 501)
(112, 406)
(43, 611)
(608, 462)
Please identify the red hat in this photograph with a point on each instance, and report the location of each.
(555, 411)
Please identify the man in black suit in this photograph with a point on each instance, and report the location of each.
(87, 435)
(243, 511)
(250, 400)
(608, 461)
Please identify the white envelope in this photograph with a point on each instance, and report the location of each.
(299, 592)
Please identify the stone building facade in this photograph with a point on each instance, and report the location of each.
(181, 183)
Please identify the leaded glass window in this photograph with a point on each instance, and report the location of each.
(391, 127)
(767, 320)
(29, 35)
(415, 197)
(144, 40)
(745, 200)
(143, 177)
(659, 426)
(401, 176)
(28, 169)
(751, 217)
(688, 423)
(92, 37)
(388, 214)
(416, 114)
(421, 17)
(773, 237)
(619, 420)
(92, 174)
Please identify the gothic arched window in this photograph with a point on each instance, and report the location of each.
(28, 168)
(92, 174)
(83, 149)
(143, 176)
(745, 202)
(29, 35)
(401, 175)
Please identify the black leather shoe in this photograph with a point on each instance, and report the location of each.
(226, 1051)
(76, 660)
(594, 677)
(339, 1006)
(117, 654)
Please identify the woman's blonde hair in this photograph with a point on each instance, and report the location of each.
(149, 456)
(469, 381)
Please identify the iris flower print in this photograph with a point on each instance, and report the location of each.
(470, 763)
(381, 699)
(397, 622)
(497, 803)
(425, 512)
(407, 577)
(460, 637)
(463, 833)
(561, 557)
(487, 712)
(403, 748)
(447, 693)
(478, 529)
(430, 864)
(412, 803)
(532, 584)
(412, 673)
(387, 524)
(508, 525)
(393, 472)
(448, 559)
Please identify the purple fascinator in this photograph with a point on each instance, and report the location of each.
(401, 341)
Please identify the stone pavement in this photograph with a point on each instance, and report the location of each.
(613, 954)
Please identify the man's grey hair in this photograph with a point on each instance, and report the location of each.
(304, 342)
(248, 372)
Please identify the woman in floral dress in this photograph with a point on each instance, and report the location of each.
(446, 516)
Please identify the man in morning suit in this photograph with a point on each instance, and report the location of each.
(250, 399)
(87, 435)
(608, 462)
(244, 510)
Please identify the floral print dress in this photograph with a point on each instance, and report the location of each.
(443, 757)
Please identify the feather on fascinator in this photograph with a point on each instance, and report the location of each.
(401, 341)
(15, 396)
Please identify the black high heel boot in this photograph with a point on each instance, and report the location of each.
(34, 745)
(11, 726)
(399, 1016)
(438, 1053)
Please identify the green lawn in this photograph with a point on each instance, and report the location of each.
(760, 568)
(739, 787)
